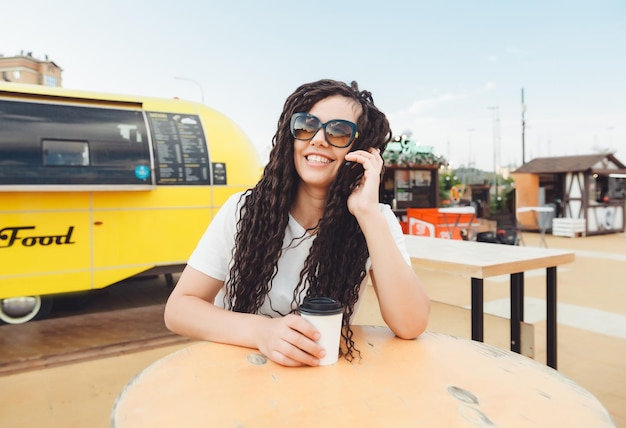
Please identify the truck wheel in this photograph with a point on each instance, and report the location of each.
(18, 310)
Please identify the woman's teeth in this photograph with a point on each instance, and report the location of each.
(318, 159)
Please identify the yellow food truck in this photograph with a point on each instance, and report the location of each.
(97, 188)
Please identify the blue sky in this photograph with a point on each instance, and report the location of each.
(436, 69)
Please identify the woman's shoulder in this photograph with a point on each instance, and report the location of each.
(391, 217)
(237, 199)
(386, 209)
(232, 206)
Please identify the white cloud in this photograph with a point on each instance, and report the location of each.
(422, 106)
(514, 50)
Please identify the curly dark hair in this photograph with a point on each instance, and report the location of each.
(335, 266)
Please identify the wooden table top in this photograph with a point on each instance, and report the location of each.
(433, 381)
(481, 259)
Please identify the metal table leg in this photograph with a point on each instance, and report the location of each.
(542, 230)
(477, 309)
(517, 310)
(551, 316)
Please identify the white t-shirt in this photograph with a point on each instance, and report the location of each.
(213, 255)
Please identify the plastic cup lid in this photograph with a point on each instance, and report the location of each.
(321, 306)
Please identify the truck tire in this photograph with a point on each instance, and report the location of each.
(18, 310)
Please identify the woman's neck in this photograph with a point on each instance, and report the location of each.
(308, 208)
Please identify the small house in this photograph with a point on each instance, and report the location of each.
(587, 191)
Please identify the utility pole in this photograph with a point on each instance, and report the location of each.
(523, 130)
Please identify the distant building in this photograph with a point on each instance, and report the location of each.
(591, 188)
(25, 68)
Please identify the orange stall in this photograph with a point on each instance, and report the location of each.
(446, 223)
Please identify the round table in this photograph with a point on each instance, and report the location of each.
(433, 381)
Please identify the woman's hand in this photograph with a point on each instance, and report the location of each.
(364, 198)
(290, 341)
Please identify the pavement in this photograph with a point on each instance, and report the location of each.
(67, 373)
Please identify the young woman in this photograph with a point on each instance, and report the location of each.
(312, 226)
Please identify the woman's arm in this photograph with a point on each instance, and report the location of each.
(402, 298)
(403, 302)
(190, 312)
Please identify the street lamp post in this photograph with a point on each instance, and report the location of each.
(194, 82)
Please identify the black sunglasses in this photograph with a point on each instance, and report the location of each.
(337, 132)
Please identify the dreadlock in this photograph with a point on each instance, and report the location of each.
(336, 263)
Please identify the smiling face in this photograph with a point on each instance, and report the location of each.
(316, 161)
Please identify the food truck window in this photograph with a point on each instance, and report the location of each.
(67, 144)
(67, 153)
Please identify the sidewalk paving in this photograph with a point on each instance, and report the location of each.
(82, 394)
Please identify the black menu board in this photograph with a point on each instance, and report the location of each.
(180, 149)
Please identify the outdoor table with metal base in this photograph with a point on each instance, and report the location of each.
(480, 260)
(538, 219)
(459, 211)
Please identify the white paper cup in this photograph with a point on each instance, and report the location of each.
(326, 315)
